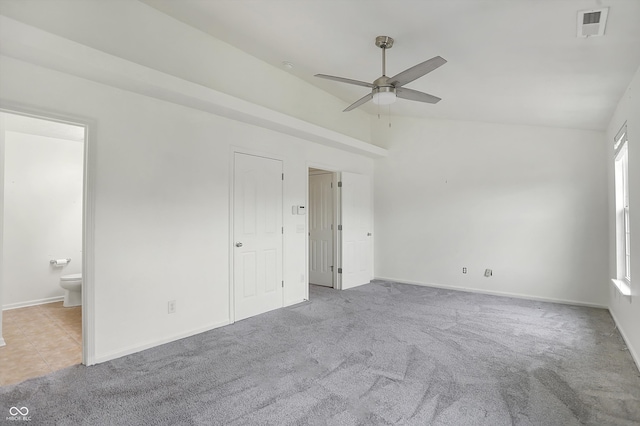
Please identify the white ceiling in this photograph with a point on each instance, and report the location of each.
(510, 61)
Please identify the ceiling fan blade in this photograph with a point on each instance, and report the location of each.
(346, 80)
(414, 95)
(359, 102)
(417, 71)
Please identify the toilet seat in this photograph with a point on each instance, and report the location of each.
(71, 277)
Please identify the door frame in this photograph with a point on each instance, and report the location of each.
(337, 207)
(232, 169)
(88, 214)
(334, 183)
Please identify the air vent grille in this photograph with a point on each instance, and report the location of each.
(591, 23)
(591, 18)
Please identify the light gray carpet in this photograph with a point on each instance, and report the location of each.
(383, 353)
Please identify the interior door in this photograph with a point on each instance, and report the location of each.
(321, 229)
(257, 235)
(356, 236)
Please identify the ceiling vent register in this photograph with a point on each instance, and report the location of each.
(591, 23)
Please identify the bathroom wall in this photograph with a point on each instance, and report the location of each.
(42, 216)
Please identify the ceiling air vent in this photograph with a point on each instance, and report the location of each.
(591, 23)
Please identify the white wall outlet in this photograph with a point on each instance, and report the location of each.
(488, 272)
(171, 306)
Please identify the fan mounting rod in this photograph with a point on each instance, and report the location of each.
(384, 43)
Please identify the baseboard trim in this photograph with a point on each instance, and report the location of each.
(2, 342)
(148, 345)
(634, 354)
(495, 293)
(32, 303)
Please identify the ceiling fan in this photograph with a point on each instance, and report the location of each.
(384, 90)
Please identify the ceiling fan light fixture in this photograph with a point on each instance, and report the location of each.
(384, 96)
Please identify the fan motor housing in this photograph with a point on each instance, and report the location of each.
(384, 42)
(382, 81)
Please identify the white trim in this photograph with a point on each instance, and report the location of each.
(88, 246)
(2, 342)
(88, 214)
(2, 172)
(25, 42)
(150, 344)
(634, 354)
(621, 210)
(231, 199)
(495, 293)
(336, 220)
(620, 139)
(36, 302)
(623, 288)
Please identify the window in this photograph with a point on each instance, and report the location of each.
(623, 234)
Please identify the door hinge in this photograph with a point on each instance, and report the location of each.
(282, 283)
(283, 230)
(283, 176)
(339, 270)
(340, 184)
(339, 227)
(332, 184)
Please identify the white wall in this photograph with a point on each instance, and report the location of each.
(42, 217)
(626, 310)
(527, 202)
(162, 204)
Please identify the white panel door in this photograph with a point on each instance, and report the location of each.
(356, 236)
(321, 229)
(257, 235)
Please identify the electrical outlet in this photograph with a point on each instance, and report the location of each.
(464, 270)
(171, 306)
(488, 273)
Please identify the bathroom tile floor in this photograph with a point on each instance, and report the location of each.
(39, 339)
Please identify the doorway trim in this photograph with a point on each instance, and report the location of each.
(88, 215)
(337, 284)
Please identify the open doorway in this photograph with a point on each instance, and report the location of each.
(340, 250)
(42, 206)
(323, 220)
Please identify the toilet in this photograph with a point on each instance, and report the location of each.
(72, 284)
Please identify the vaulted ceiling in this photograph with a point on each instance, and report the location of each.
(509, 61)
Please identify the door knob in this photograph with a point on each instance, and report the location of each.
(238, 244)
(368, 234)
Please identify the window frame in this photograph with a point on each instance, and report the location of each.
(623, 232)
